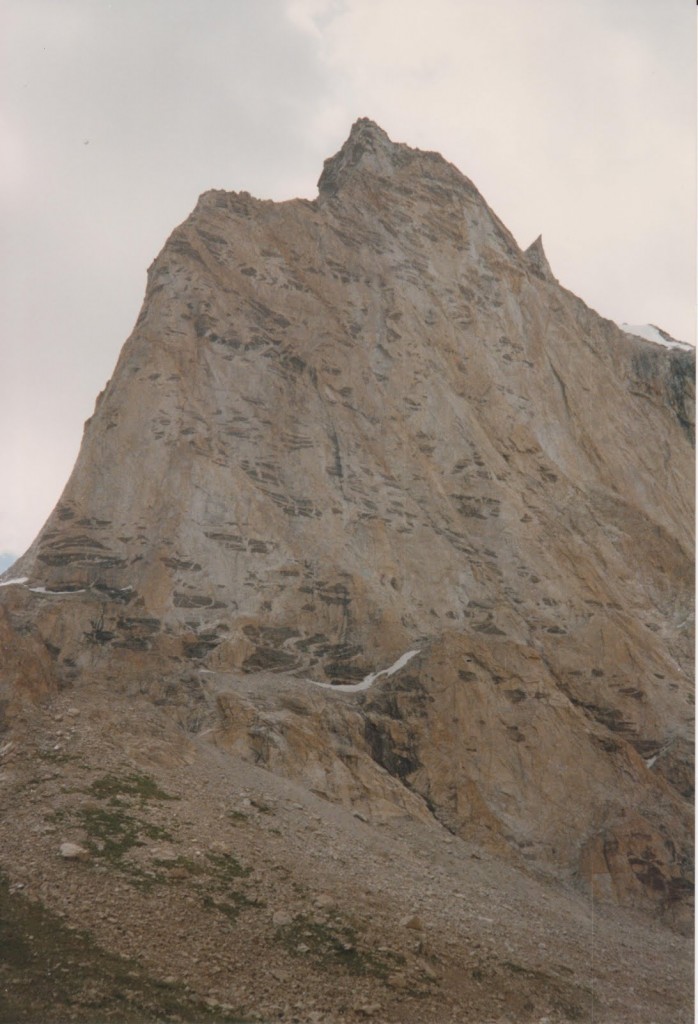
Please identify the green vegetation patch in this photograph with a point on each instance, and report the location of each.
(226, 867)
(237, 816)
(117, 825)
(113, 832)
(189, 865)
(133, 785)
(57, 757)
(336, 945)
(52, 974)
(231, 906)
(531, 972)
(223, 870)
(113, 829)
(572, 1000)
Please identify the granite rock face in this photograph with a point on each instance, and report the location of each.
(350, 428)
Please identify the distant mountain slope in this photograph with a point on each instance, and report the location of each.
(6, 560)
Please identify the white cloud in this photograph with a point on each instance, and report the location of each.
(14, 162)
(307, 15)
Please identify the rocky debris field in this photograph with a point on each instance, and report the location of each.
(148, 875)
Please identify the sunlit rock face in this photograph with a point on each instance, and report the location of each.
(368, 424)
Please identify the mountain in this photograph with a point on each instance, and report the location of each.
(6, 560)
(376, 511)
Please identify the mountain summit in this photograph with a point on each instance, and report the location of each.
(367, 148)
(374, 504)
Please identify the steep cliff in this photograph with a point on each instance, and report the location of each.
(366, 425)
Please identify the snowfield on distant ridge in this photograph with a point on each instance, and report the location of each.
(651, 333)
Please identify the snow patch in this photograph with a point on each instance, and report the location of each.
(651, 333)
(53, 593)
(21, 581)
(370, 679)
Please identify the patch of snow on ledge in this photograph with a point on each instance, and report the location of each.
(53, 593)
(17, 581)
(370, 679)
(651, 333)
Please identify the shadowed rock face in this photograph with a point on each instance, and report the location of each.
(346, 428)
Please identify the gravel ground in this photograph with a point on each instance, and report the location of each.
(205, 888)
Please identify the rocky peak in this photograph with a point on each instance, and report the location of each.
(369, 148)
(535, 254)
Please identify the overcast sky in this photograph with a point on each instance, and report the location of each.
(575, 119)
